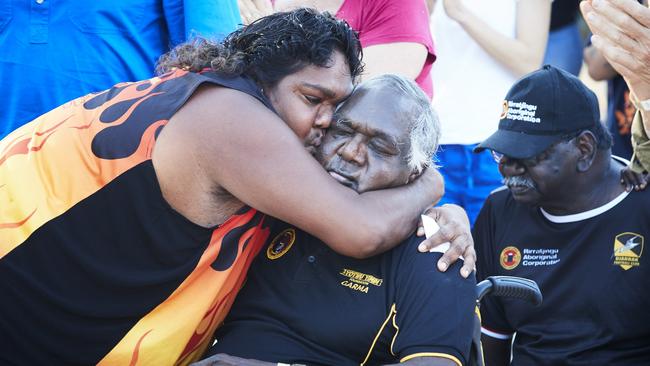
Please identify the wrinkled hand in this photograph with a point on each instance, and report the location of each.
(251, 10)
(223, 359)
(455, 229)
(621, 31)
(632, 180)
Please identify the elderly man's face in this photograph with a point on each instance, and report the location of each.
(544, 179)
(367, 145)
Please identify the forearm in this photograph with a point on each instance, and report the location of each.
(401, 58)
(521, 54)
(395, 213)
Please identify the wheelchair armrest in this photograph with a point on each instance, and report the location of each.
(509, 286)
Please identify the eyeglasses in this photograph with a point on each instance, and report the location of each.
(498, 158)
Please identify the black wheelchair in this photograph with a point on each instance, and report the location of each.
(502, 286)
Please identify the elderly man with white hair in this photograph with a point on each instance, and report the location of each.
(303, 303)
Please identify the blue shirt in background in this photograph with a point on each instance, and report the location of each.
(52, 51)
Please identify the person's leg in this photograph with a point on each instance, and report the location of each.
(485, 179)
(455, 169)
(564, 49)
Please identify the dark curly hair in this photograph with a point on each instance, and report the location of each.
(271, 48)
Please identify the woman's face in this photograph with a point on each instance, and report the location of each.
(306, 100)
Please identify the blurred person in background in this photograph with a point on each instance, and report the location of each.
(564, 47)
(56, 51)
(483, 47)
(620, 110)
(621, 32)
(394, 34)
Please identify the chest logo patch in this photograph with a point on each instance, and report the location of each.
(359, 281)
(510, 258)
(628, 248)
(281, 244)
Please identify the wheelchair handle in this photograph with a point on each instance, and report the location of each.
(509, 286)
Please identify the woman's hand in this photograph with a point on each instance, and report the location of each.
(454, 229)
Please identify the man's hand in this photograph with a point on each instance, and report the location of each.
(223, 359)
(454, 229)
(622, 34)
(251, 10)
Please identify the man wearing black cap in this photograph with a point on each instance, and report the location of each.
(566, 222)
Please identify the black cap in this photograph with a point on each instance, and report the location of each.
(540, 109)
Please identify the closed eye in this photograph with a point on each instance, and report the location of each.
(313, 100)
(382, 149)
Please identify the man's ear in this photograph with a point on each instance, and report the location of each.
(587, 148)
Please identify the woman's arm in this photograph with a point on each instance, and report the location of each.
(521, 54)
(230, 140)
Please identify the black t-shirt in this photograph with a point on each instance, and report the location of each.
(592, 270)
(303, 303)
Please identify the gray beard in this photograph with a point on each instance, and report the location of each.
(518, 181)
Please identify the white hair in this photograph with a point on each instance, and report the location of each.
(422, 119)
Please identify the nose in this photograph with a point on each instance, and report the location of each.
(511, 167)
(354, 150)
(324, 117)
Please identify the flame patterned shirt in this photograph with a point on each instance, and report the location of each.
(95, 266)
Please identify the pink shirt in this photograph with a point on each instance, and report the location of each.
(389, 21)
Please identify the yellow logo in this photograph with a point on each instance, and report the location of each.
(281, 244)
(359, 281)
(628, 248)
(504, 112)
(510, 258)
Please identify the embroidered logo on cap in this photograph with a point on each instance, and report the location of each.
(521, 111)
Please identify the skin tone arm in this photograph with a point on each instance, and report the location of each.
(269, 169)
(496, 351)
(521, 54)
(402, 58)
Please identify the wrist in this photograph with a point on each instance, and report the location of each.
(641, 102)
